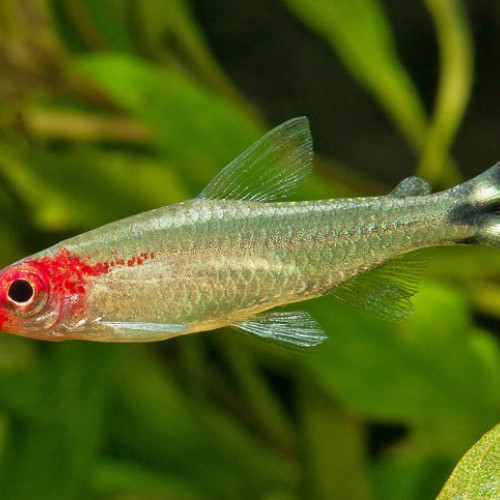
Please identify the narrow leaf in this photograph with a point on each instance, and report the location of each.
(455, 46)
(360, 34)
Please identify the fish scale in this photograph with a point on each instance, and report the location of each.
(285, 254)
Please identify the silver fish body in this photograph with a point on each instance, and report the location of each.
(231, 254)
(218, 262)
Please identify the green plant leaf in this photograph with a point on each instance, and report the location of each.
(56, 186)
(360, 34)
(334, 448)
(434, 365)
(96, 24)
(63, 425)
(477, 475)
(197, 130)
(404, 477)
(191, 437)
(174, 30)
(121, 479)
(456, 74)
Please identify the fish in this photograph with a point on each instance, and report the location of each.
(236, 253)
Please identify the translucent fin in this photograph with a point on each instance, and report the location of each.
(269, 169)
(411, 186)
(295, 330)
(124, 331)
(386, 290)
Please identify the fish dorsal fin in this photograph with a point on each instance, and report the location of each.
(294, 330)
(269, 169)
(411, 186)
(386, 290)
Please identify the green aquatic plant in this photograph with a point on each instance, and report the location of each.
(477, 473)
(112, 108)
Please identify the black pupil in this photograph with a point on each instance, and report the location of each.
(21, 291)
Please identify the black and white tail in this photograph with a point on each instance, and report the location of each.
(482, 208)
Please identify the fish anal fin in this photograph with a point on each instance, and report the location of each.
(385, 291)
(294, 330)
(271, 168)
(411, 186)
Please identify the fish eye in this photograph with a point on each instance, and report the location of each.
(24, 291)
(21, 291)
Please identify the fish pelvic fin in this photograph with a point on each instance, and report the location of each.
(270, 169)
(298, 331)
(480, 208)
(385, 291)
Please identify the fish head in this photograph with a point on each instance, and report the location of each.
(42, 297)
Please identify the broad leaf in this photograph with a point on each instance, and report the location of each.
(477, 475)
(431, 368)
(197, 130)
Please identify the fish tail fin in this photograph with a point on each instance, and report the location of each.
(481, 209)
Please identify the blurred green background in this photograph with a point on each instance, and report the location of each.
(112, 107)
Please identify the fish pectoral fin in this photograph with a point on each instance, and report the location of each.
(271, 168)
(295, 330)
(385, 291)
(411, 186)
(128, 331)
